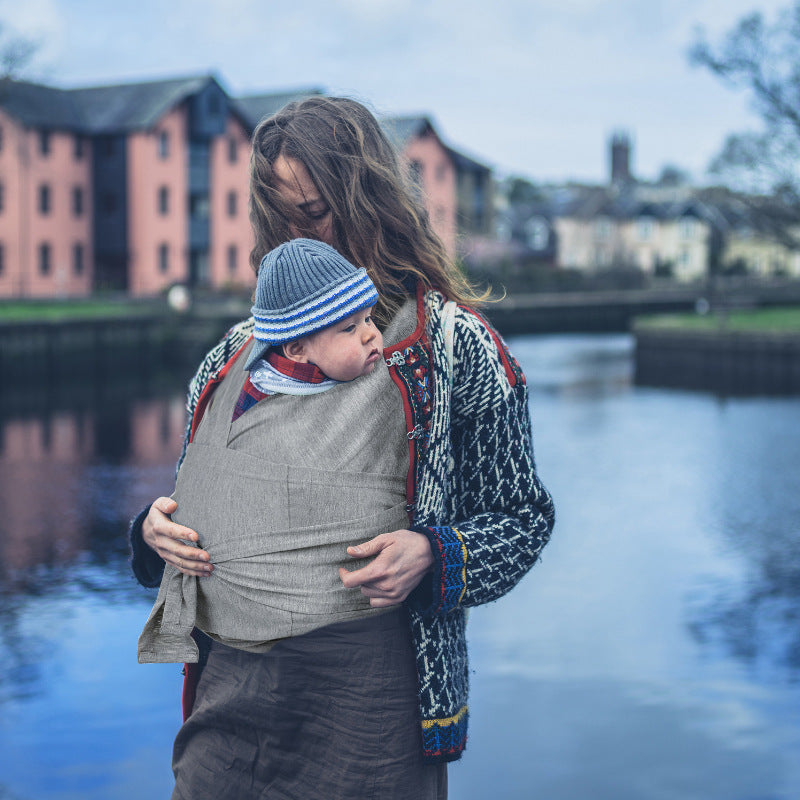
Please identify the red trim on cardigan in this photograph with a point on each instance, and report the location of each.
(413, 445)
(209, 388)
(191, 676)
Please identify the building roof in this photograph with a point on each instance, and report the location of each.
(115, 108)
(402, 129)
(123, 107)
(464, 163)
(40, 106)
(132, 106)
(257, 106)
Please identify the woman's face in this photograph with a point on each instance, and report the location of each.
(295, 185)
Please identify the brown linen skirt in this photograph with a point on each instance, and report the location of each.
(329, 715)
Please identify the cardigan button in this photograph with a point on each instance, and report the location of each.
(396, 359)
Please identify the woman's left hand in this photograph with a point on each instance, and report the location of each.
(401, 559)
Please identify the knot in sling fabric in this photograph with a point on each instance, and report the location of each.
(276, 497)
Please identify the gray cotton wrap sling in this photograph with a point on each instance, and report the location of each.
(276, 497)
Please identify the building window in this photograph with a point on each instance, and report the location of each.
(163, 258)
(233, 257)
(198, 206)
(537, 233)
(231, 204)
(44, 199)
(687, 228)
(77, 201)
(603, 229)
(233, 150)
(163, 144)
(44, 143)
(163, 200)
(44, 258)
(644, 228)
(416, 169)
(79, 148)
(77, 258)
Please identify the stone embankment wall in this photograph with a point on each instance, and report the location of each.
(100, 348)
(724, 362)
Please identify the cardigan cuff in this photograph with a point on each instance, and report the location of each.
(147, 565)
(443, 588)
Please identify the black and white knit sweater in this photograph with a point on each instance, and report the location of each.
(472, 490)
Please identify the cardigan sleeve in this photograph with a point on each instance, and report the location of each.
(146, 564)
(501, 514)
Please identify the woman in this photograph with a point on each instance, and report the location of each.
(374, 708)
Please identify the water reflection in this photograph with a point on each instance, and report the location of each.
(66, 478)
(70, 479)
(654, 653)
(577, 365)
(756, 619)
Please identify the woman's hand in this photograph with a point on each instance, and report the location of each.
(164, 536)
(402, 558)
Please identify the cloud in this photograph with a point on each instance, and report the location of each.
(534, 87)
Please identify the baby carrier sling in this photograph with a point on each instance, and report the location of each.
(276, 497)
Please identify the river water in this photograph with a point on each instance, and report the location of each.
(653, 653)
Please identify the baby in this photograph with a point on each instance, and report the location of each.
(276, 525)
(312, 307)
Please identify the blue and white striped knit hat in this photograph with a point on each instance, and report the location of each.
(305, 286)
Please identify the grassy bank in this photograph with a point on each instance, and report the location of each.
(72, 310)
(758, 320)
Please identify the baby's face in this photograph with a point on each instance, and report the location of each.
(348, 349)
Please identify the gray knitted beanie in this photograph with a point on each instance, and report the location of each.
(305, 286)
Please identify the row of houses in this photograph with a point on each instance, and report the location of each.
(667, 228)
(136, 187)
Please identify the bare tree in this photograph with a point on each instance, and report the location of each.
(764, 59)
(16, 53)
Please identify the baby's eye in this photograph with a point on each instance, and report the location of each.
(349, 328)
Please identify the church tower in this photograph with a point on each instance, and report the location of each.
(620, 158)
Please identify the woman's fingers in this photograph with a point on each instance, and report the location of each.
(169, 540)
(188, 559)
(402, 559)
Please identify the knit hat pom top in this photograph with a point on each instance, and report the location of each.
(303, 287)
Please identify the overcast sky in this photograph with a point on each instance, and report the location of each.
(530, 87)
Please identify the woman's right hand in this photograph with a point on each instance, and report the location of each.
(164, 536)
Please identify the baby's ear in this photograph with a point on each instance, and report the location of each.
(296, 351)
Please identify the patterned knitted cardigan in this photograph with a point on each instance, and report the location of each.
(472, 490)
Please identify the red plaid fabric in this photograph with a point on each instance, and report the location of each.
(250, 395)
(308, 373)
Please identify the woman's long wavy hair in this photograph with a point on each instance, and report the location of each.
(378, 223)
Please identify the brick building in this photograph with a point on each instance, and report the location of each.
(135, 187)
